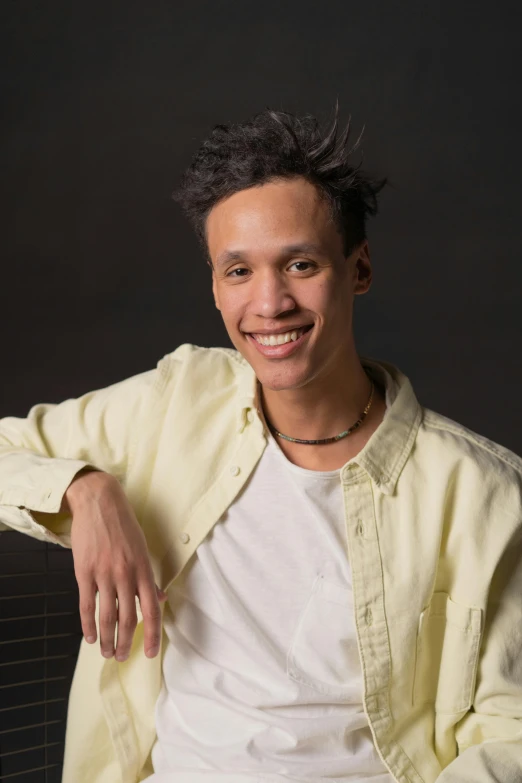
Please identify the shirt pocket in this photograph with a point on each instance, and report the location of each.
(448, 642)
(323, 653)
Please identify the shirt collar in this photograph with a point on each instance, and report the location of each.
(386, 451)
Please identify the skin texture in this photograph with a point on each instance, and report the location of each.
(321, 388)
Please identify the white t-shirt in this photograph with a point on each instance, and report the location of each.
(261, 676)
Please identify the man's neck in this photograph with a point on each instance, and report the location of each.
(322, 409)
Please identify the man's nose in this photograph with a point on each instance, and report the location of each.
(271, 296)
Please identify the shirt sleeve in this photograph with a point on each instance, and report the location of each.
(41, 454)
(489, 737)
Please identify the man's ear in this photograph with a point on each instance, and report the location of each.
(362, 270)
(215, 291)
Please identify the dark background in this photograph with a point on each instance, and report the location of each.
(102, 107)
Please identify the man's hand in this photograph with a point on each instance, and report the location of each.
(110, 556)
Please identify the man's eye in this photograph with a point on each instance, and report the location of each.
(239, 269)
(301, 264)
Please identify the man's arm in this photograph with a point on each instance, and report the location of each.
(489, 737)
(41, 455)
(47, 491)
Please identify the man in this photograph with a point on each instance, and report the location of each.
(343, 566)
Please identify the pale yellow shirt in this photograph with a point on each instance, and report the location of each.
(433, 514)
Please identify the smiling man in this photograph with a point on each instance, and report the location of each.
(342, 566)
(285, 286)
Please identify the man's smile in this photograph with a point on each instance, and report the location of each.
(278, 345)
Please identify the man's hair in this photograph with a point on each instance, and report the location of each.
(278, 145)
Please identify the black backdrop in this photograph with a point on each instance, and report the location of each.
(103, 106)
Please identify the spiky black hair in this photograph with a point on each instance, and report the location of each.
(279, 145)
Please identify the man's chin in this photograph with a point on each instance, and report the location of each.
(277, 374)
(281, 378)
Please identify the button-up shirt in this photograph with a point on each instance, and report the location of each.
(433, 521)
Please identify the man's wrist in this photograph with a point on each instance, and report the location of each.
(84, 482)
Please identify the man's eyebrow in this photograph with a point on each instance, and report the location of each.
(237, 255)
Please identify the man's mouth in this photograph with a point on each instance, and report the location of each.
(281, 345)
(281, 339)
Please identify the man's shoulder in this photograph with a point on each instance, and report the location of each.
(490, 459)
(211, 368)
(195, 356)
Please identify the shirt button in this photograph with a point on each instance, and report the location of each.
(234, 469)
(360, 528)
(250, 416)
(184, 538)
(369, 617)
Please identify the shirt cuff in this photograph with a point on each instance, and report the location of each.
(53, 481)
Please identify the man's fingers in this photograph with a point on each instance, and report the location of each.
(127, 620)
(108, 617)
(151, 610)
(87, 591)
(122, 612)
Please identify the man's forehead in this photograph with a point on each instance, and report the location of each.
(247, 224)
(294, 201)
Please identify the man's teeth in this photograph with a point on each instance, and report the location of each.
(278, 339)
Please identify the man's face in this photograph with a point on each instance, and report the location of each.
(278, 267)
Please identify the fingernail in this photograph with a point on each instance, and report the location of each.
(121, 657)
(152, 651)
(90, 639)
(108, 653)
